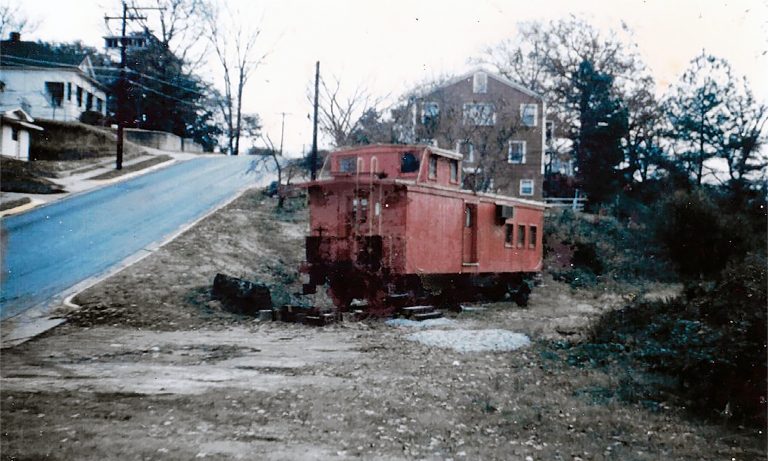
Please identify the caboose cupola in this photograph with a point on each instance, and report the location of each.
(422, 164)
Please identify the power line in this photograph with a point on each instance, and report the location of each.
(152, 90)
(191, 90)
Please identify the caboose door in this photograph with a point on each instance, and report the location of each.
(469, 238)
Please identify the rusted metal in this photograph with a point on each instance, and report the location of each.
(391, 221)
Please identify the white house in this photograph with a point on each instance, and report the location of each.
(46, 83)
(15, 126)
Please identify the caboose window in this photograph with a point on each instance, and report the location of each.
(348, 164)
(432, 166)
(454, 171)
(510, 230)
(520, 235)
(467, 216)
(532, 238)
(409, 163)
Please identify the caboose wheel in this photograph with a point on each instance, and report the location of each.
(521, 294)
(340, 296)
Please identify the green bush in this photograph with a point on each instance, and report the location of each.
(583, 250)
(712, 341)
(700, 234)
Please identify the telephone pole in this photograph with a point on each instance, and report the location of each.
(282, 131)
(122, 83)
(313, 157)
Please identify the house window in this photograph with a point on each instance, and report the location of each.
(409, 163)
(455, 171)
(430, 113)
(516, 152)
(509, 232)
(467, 149)
(79, 94)
(526, 187)
(89, 101)
(15, 133)
(520, 235)
(432, 166)
(528, 113)
(99, 104)
(69, 91)
(55, 93)
(479, 114)
(532, 236)
(480, 83)
(347, 164)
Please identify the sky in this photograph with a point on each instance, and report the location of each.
(388, 46)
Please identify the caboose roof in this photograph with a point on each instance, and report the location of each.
(395, 149)
(445, 153)
(496, 198)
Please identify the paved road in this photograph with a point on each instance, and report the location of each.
(50, 249)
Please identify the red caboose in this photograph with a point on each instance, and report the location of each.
(389, 223)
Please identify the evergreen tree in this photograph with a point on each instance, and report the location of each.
(696, 113)
(603, 124)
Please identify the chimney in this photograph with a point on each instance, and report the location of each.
(15, 37)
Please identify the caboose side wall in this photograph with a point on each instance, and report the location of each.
(433, 233)
(436, 236)
(496, 255)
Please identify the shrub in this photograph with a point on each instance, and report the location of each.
(712, 341)
(585, 249)
(699, 235)
(91, 117)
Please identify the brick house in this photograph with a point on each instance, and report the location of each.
(498, 125)
(47, 84)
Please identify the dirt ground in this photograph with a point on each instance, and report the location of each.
(150, 368)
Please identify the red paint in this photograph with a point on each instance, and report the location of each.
(419, 215)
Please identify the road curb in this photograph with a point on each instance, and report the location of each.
(33, 203)
(99, 184)
(38, 319)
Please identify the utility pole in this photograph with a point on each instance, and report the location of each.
(122, 83)
(313, 157)
(282, 131)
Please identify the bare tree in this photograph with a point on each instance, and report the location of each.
(430, 115)
(545, 57)
(342, 113)
(13, 20)
(235, 49)
(643, 143)
(181, 29)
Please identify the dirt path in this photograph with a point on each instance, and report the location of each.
(160, 373)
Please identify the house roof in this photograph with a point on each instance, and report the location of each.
(19, 117)
(16, 53)
(498, 78)
(21, 55)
